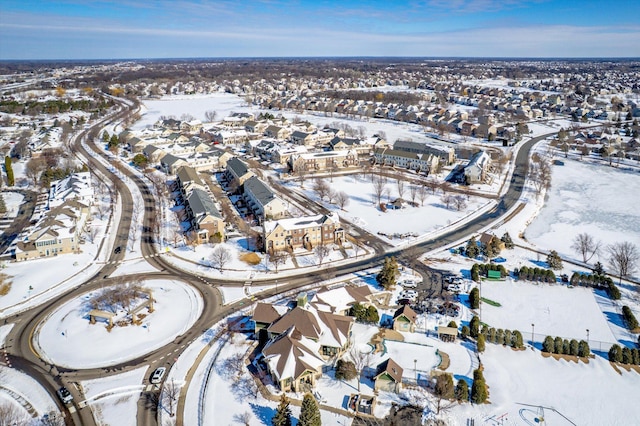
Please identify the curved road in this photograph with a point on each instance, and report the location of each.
(24, 357)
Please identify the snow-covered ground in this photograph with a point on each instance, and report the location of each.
(12, 201)
(596, 199)
(16, 386)
(68, 339)
(114, 399)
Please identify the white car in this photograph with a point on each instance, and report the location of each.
(409, 284)
(64, 395)
(158, 375)
(409, 294)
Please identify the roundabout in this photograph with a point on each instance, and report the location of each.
(103, 328)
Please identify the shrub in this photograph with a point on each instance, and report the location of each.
(554, 260)
(573, 347)
(474, 298)
(566, 349)
(507, 337)
(629, 319)
(479, 388)
(480, 343)
(635, 356)
(557, 345)
(346, 370)
(492, 335)
(615, 353)
(583, 348)
(517, 340)
(627, 358)
(613, 291)
(475, 274)
(452, 324)
(548, 345)
(462, 391)
(474, 326)
(500, 336)
(464, 331)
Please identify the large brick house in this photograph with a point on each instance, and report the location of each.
(302, 232)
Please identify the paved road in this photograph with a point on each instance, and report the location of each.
(51, 377)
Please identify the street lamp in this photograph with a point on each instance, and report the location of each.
(587, 336)
(415, 369)
(532, 328)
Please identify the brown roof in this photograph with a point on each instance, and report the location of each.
(486, 238)
(265, 313)
(359, 293)
(407, 312)
(303, 319)
(392, 369)
(290, 348)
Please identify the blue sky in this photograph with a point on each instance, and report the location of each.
(114, 29)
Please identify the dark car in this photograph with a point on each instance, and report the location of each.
(117, 250)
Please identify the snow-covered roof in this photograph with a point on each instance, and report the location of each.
(301, 222)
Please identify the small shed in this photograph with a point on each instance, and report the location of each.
(405, 319)
(388, 377)
(447, 334)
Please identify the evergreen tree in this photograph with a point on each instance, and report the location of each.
(508, 242)
(479, 388)
(105, 137)
(566, 349)
(499, 337)
(472, 250)
(517, 341)
(598, 269)
(452, 324)
(474, 326)
(346, 370)
(507, 337)
(615, 353)
(464, 331)
(627, 358)
(480, 343)
(548, 345)
(554, 260)
(283, 413)
(3, 205)
(635, 355)
(9, 171)
(491, 335)
(475, 272)
(387, 276)
(573, 347)
(558, 345)
(462, 391)
(474, 298)
(310, 412)
(583, 348)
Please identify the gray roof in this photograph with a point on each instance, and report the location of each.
(260, 190)
(237, 167)
(299, 135)
(188, 174)
(201, 204)
(170, 159)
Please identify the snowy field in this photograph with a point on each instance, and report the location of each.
(362, 208)
(591, 394)
(556, 310)
(12, 201)
(114, 399)
(68, 339)
(596, 199)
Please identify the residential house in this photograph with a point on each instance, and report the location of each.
(277, 132)
(57, 232)
(187, 179)
(170, 163)
(153, 153)
(205, 219)
(404, 319)
(476, 171)
(322, 161)
(420, 162)
(262, 201)
(446, 154)
(388, 377)
(302, 232)
(76, 186)
(340, 300)
(237, 172)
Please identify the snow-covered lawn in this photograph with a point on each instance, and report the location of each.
(114, 399)
(12, 201)
(587, 394)
(596, 199)
(68, 339)
(16, 385)
(363, 210)
(554, 309)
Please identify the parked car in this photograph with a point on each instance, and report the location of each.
(118, 250)
(409, 284)
(157, 375)
(64, 395)
(409, 294)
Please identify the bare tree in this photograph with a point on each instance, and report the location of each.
(400, 184)
(321, 252)
(243, 418)
(278, 258)
(432, 184)
(302, 172)
(459, 202)
(210, 115)
(91, 232)
(11, 415)
(342, 199)
(413, 192)
(361, 360)
(170, 395)
(321, 188)
(33, 168)
(585, 245)
(447, 200)
(443, 390)
(219, 257)
(623, 257)
(422, 194)
(540, 173)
